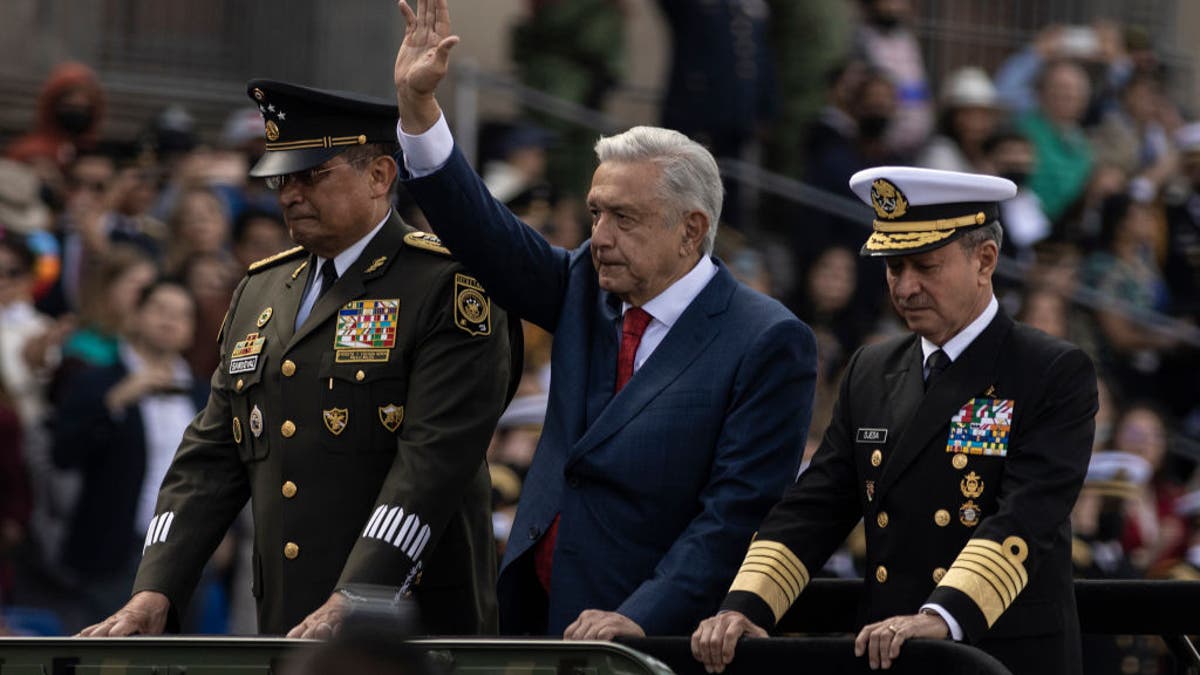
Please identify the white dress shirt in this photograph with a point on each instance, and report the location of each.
(954, 348)
(164, 419)
(341, 263)
(666, 307)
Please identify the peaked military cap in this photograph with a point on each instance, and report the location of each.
(919, 210)
(1113, 473)
(306, 127)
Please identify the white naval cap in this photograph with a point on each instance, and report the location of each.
(918, 210)
(1117, 474)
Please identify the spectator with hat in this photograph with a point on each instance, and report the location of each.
(1114, 482)
(969, 114)
(364, 463)
(962, 446)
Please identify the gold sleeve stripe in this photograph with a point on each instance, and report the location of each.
(772, 572)
(1002, 590)
(786, 562)
(998, 558)
(1002, 577)
(989, 573)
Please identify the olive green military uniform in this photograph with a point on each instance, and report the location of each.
(360, 437)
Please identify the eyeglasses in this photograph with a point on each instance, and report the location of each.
(306, 178)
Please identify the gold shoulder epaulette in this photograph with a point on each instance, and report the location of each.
(426, 242)
(260, 265)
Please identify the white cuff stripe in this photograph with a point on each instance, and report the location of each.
(167, 527)
(419, 542)
(158, 529)
(408, 525)
(387, 521)
(391, 531)
(373, 521)
(403, 530)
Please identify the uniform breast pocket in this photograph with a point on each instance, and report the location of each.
(248, 423)
(362, 406)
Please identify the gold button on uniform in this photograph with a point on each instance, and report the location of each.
(291, 550)
(288, 429)
(941, 517)
(288, 368)
(877, 458)
(882, 519)
(360, 376)
(938, 574)
(881, 574)
(240, 383)
(289, 489)
(959, 461)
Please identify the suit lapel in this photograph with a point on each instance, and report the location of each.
(602, 361)
(352, 284)
(906, 387)
(970, 374)
(686, 340)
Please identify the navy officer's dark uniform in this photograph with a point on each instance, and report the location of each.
(360, 434)
(965, 487)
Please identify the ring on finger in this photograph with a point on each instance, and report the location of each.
(893, 629)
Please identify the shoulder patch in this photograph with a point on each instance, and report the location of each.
(263, 264)
(426, 242)
(472, 307)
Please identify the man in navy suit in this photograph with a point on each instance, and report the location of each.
(679, 399)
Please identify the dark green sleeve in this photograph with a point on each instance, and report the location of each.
(457, 389)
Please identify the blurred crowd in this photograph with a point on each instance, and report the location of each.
(118, 258)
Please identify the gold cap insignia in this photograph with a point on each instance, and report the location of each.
(272, 130)
(390, 416)
(335, 420)
(887, 199)
(258, 94)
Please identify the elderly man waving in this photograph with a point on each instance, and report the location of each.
(679, 398)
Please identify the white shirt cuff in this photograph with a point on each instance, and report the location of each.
(427, 152)
(955, 629)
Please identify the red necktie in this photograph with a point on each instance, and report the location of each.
(633, 326)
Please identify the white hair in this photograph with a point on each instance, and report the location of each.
(690, 178)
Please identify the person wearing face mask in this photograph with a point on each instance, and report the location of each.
(885, 41)
(70, 110)
(1009, 154)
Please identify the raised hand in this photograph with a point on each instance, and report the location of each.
(422, 62)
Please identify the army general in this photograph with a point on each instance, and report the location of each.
(361, 376)
(962, 446)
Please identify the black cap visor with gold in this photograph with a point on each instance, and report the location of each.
(902, 229)
(306, 127)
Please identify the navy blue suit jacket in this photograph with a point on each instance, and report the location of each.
(661, 487)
